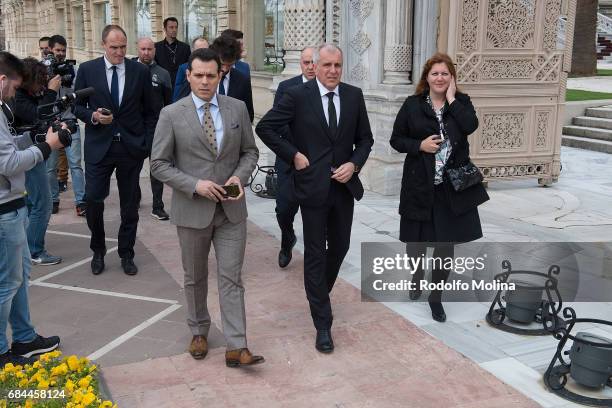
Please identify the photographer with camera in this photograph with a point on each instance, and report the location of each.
(65, 68)
(36, 90)
(14, 252)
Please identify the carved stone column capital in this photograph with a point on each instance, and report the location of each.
(304, 26)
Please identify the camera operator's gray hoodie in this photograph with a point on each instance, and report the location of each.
(16, 160)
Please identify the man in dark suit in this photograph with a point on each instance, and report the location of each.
(119, 127)
(240, 65)
(286, 204)
(233, 83)
(170, 53)
(330, 142)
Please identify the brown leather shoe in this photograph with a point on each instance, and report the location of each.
(198, 347)
(241, 357)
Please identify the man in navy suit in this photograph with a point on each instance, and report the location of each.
(330, 142)
(286, 204)
(119, 127)
(181, 86)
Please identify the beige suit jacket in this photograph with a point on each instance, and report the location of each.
(181, 156)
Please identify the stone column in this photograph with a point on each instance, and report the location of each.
(304, 25)
(398, 42)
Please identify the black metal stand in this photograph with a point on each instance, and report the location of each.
(548, 312)
(270, 187)
(556, 376)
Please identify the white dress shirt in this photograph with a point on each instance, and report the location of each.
(225, 83)
(304, 79)
(214, 113)
(120, 75)
(325, 100)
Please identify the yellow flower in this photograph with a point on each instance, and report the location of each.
(70, 385)
(36, 364)
(84, 382)
(77, 397)
(106, 404)
(20, 374)
(43, 384)
(59, 370)
(9, 368)
(29, 404)
(55, 354)
(73, 363)
(88, 398)
(23, 383)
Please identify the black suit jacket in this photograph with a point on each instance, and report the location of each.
(416, 121)
(165, 59)
(280, 164)
(239, 88)
(301, 109)
(134, 119)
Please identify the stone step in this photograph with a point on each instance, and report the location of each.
(588, 132)
(587, 121)
(587, 144)
(601, 112)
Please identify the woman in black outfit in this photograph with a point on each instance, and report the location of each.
(432, 127)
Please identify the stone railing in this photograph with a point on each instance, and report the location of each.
(604, 24)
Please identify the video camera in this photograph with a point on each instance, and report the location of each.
(65, 69)
(49, 115)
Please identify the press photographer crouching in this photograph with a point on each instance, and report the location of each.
(57, 64)
(14, 252)
(36, 90)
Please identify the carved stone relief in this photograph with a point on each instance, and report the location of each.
(504, 68)
(542, 128)
(336, 21)
(398, 57)
(510, 23)
(552, 10)
(503, 130)
(469, 25)
(532, 169)
(304, 25)
(360, 42)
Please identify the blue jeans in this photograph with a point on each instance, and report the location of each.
(15, 267)
(39, 205)
(73, 154)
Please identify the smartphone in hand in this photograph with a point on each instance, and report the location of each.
(105, 111)
(231, 190)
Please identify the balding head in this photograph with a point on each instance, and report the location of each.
(146, 50)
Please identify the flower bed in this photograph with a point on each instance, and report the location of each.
(52, 381)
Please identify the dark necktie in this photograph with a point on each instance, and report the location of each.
(115, 86)
(221, 86)
(331, 114)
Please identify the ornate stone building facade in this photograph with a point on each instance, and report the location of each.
(507, 52)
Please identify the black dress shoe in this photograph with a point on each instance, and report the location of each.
(97, 264)
(437, 311)
(285, 255)
(128, 266)
(324, 342)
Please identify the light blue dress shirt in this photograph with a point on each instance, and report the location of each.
(214, 112)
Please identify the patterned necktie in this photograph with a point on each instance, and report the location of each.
(115, 86)
(331, 113)
(209, 128)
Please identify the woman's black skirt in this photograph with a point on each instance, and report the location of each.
(444, 225)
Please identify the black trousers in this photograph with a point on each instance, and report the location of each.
(286, 205)
(441, 250)
(157, 188)
(327, 234)
(97, 182)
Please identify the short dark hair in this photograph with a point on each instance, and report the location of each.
(43, 39)
(204, 55)
(170, 19)
(228, 48)
(111, 27)
(10, 65)
(236, 34)
(57, 39)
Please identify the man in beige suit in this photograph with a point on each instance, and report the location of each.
(202, 143)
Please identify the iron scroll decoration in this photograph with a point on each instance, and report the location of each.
(269, 189)
(548, 312)
(556, 375)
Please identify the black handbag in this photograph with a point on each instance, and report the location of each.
(464, 177)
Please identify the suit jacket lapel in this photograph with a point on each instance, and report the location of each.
(192, 118)
(226, 117)
(129, 82)
(344, 108)
(102, 75)
(317, 105)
